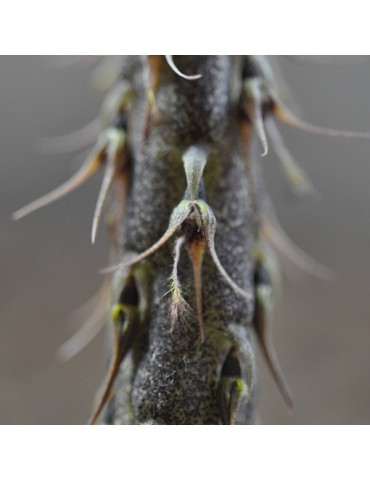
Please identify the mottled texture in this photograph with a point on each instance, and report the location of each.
(170, 377)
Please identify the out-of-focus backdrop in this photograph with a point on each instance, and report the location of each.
(49, 267)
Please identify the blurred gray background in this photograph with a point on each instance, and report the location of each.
(49, 268)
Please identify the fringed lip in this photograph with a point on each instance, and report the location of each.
(200, 214)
